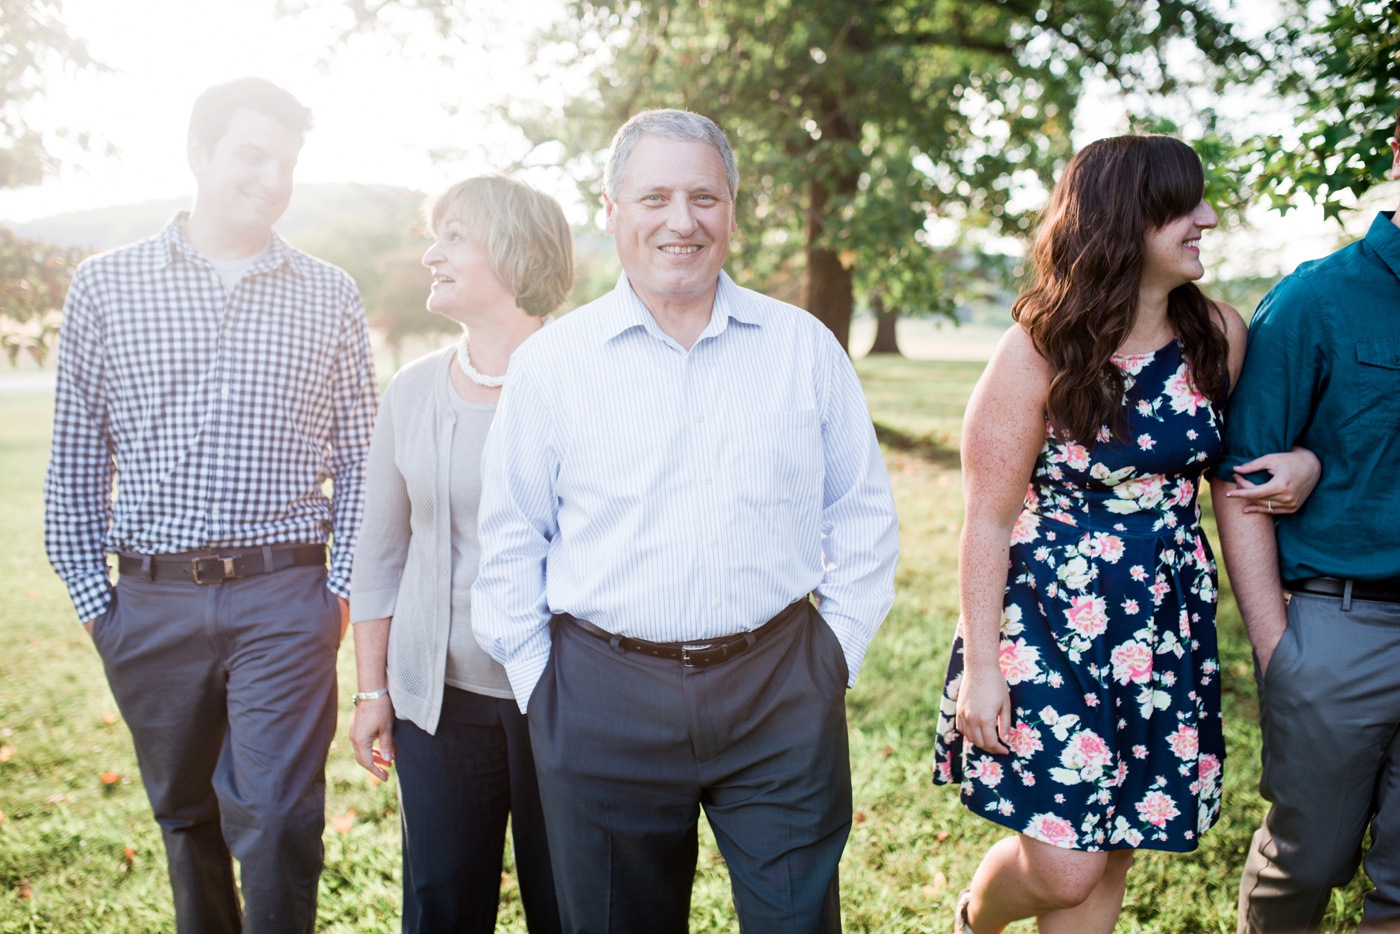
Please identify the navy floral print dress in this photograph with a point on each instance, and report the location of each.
(1108, 637)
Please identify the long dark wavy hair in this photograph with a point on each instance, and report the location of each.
(1086, 268)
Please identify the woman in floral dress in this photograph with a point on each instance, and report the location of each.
(1082, 706)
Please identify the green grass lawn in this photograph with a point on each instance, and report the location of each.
(79, 851)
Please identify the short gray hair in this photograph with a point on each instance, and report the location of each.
(669, 124)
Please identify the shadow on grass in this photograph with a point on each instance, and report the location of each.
(920, 446)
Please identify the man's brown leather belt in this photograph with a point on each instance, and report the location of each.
(1381, 591)
(698, 654)
(223, 564)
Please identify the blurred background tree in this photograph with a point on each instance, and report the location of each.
(33, 275)
(856, 122)
(884, 147)
(34, 279)
(1340, 63)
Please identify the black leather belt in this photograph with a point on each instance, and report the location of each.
(224, 564)
(692, 654)
(1381, 591)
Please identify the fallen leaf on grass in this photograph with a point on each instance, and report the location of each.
(110, 780)
(110, 718)
(2, 817)
(937, 887)
(941, 836)
(860, 817)
(887, 751)
(128, 858)
(343, 823)
(31, 594)
(55, 799)
(25, 889)
(6, 752)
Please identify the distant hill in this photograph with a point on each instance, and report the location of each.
(315, 211)
(373, 232)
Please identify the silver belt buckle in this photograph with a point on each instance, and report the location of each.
(686, 660)
(225, 567)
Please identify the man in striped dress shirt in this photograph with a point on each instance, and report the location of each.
(673, 470)
(219, 376)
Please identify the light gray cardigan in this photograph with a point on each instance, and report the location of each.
(403, 557)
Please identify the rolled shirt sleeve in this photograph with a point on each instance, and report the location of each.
(1287, 363)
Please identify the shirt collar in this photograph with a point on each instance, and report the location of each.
(1384, 239)
(173, 244)
(731, 304)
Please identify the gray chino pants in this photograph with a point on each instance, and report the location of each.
(1330, 717)
(229, 693)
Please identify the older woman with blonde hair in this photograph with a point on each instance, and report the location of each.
(430, 701)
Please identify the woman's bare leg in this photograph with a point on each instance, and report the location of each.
(1097, 914)
(1066, 890)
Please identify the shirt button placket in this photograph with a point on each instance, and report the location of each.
(709, 519)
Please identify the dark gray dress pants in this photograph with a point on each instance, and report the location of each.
(629, 748)
(229, 693)
(1330, 717)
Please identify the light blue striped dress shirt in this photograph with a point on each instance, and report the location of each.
(675, 496)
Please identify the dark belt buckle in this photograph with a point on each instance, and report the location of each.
(221, 569)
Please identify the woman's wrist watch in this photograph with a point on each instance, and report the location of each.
(368, 695)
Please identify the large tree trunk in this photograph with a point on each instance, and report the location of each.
(885, 318)
(827, 287)
(827, 290)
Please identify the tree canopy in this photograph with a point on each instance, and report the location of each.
(33, 43)
(859, 122)
(1342, 67)
(855, 122)
(34, 279)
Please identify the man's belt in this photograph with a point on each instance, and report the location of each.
(698, 654)
(1381, 591)
(224, 564)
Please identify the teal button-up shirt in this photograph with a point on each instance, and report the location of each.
(1323, 371)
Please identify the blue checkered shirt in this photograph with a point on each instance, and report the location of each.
(219, 416)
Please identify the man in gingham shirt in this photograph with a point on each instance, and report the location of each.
(672, 470)
(221, 377)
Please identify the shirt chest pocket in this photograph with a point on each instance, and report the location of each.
(780, 458)
(1379, 384)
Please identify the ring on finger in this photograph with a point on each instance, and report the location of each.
(1270, 504)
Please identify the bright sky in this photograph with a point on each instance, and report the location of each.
(381, 111)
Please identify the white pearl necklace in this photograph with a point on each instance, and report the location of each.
(465, 363)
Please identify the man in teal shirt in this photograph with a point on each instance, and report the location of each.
(1323, 372)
